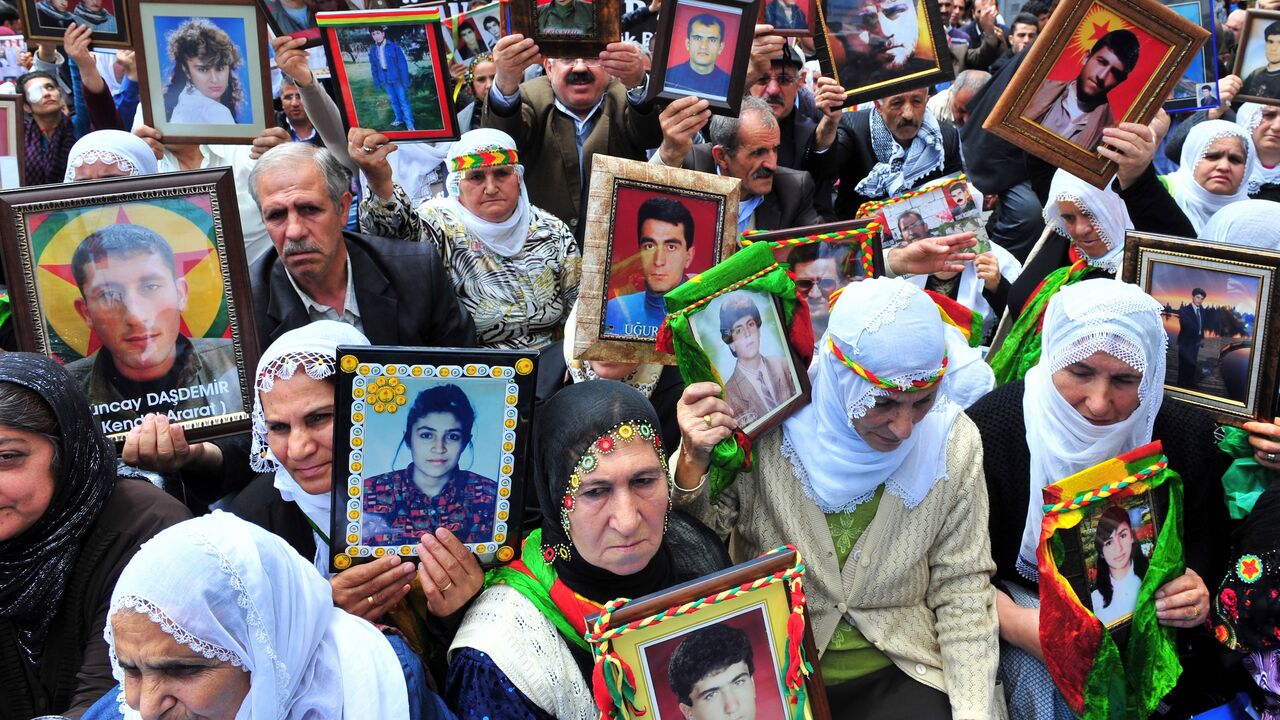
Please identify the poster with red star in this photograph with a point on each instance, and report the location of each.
(1097, 64)
(130, 284)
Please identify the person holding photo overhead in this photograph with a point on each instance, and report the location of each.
(390, 69)
(203, 88)
(1265, 81)
(432, 491)
(700, 75)
(1120, 566)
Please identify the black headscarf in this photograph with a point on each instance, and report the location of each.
(35, 566)
(568, 424)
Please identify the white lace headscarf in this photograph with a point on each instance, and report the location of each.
(1198, 203)
(1252, 223)
(891, 328)
(505, 238)
(127, 151)
(1249, 117)
(1099, 315)
(230, 590)
(1105, 210)
(311, 349)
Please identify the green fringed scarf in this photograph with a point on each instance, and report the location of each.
(535, 579)
(1020, 350)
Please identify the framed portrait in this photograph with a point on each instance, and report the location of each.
(789, 18)
(703, 48)
(1197, 89)
(45, 21)
(222, 96)
(568, 28)
(943, 207)
(1219, 312)
(1095, 65)
(649, 228)
(474, 32)
(13, 159)
(391, 72)
(297, 18)
(826, 258)
(878, 48)
(138, 286)
(1258, 58)
(430, 439)
(733, 651)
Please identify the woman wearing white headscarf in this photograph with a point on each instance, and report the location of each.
(1263, 124)
(109, 153)
(218, 618)
(1253, 223)
(892, 519)
(515, 267)
(1096, 393)
(1216, 160)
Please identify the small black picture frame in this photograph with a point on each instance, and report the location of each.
(529, 18)
(386, 394)
(45, 21)
(681, 33)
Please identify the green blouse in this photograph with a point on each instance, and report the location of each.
(850, 655)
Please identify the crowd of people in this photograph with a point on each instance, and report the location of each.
(170, 578)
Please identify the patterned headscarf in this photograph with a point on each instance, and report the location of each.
(35, 565)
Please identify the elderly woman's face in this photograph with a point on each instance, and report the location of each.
(1221, 168)
(894, 416)
(1081, 229)
(210, 78)
(1102, 388)
(620, 508)
(436, 441)
(491, 193)
(166, 679)
(26, 483)
(299, 417)
(99, 170)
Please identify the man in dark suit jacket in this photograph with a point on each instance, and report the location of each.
(1190, 337)
(779, 88)
(773, 197)
(396, 292)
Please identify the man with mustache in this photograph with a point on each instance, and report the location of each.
(878, 39)
(745, 147)
(699, 75)
(882, 152)
(397, 293)
(1078, 110)
(132, 300)
(581, 107)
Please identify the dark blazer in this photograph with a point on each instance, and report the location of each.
(261, 504)
(405, 296)
(1190, 329)
(850, 158)
(788, 205)
(74, 671)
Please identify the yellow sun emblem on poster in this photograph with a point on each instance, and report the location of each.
(1098, 21)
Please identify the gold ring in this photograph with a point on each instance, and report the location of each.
(707, 419)
(446, 587)
(370, 599)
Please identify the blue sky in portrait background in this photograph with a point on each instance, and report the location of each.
(233, 27)
(1191, 11)
(384, 432)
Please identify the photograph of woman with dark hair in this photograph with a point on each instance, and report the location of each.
(432, 491)
(203, 87)
(1121, 566)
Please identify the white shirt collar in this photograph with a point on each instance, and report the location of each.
(578, 122)
(348, 304)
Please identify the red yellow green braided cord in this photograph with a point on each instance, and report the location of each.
(865, 374)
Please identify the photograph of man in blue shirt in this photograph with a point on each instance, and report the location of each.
(700, 75)
(664, 227)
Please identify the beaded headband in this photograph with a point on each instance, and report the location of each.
(865, 374)
(486, 158)
(624, 432)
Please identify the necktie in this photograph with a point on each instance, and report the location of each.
(765, 391)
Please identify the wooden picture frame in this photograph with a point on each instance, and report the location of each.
(675, 74)
(380, 103)
(385, 395)
(742, 610)
(606, 329)
(202, 318)
(863, 77)
(13, 158)
(785, 23)
(529, 18)
(281, 23)
(1158, 42)
(482, 21)
(1202, 73)
(1251, 63)
(1233, 375)
(245, 108)
(43, 22)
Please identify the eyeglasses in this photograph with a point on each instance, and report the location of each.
(914, 225)
(570, 62)
(826, 285)
(783, 80)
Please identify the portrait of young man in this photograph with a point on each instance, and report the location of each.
(880, 39)
(712, 675)
(665, 232)
(566, 17)
(1264, 81)
(132, 299)
(961, 200)
(1078, 110)
(1190, 339)
(390, 69)
(759, 383)
(699, 75)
